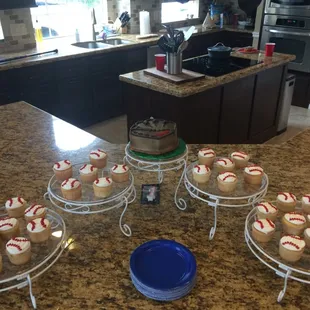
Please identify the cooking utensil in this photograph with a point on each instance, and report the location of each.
(189, 33)
(166, 45)
(219, 51)
(28, 55)
(183, 46)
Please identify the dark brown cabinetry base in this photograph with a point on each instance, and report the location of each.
(301, 96)
(244, 111)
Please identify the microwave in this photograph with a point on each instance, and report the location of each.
(288, 7)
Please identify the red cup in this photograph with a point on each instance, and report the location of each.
(269, 49)
(235, 19)
(160, 60)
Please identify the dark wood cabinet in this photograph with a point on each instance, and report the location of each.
(16, 4)
(301, 96)
(236, 110)
(237, 39)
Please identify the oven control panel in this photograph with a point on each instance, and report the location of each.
(289, 22)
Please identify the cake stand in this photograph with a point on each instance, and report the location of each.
(268, 254)
(44, 256)
(160, 166)
(123, 194)
(245, 195)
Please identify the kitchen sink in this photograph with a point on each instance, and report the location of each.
(101, 44)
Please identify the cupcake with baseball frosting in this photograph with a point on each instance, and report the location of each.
(286, 202)
(240, 159)
(291, 248)
(88, 173)
(39, 230)
(253, 174)
(294, 223)
(16, 206)
(224, 165)
(305, 203)
(71, 189)
(35, 211)
(9, 228)
(267, 210)
(263, 230)
(120, 173)
(201, 173)
(98, 158)
(227, 182)
(206, 156)
(0, 263)
(307, 237)
(18, 250)
(103, 187)
(63, 170)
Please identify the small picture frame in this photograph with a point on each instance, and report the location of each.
(150, 194)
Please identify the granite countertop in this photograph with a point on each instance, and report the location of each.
(139, 78)
(67, 51)
(93, 272)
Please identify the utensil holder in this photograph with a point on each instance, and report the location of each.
(174, 63)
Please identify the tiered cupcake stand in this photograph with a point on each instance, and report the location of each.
(159, 167)
(268, 254)
(245, 195)
(123, 194)
(43, 258)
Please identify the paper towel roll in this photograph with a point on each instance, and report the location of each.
(145, 24)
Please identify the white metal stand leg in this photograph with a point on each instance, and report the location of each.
(213, 229)
(180, 203)
(134, 194)
(160, 176)
(282, 293)
(124, 227)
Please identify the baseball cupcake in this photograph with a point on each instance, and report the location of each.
(103, 187)
(307, 237)
(120, 173)
(88, 173)
(305, 203)
(71, 189)
(0, 263)
(16, 206)
(206, 156)
(201, 173)
(98, 158)
(253, 175)
(240, 159)
(35, 211)
(63, 170)
(227, 182)
(39, 230)
(18, 250)
(263, 230)
(9, 228)
(286, 202)
(294, 223)
(266, 210)
(291, 248)
(224, 165)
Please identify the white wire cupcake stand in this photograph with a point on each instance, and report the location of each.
(268, 254)
(245, 195)
(123, 194)
(43, 258)
(160, 167)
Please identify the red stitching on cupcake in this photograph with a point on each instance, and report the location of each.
(20, 200)
(271, 223)
(43, 223)
(11, 202)
(15, 246)
(283, 194)
(67, 162)
(114, 167)
(6, 224)
(307, 196)
(72, 183)
(260, 223)
(58, 165)
(108, 180)
(33, 225)
(83, 167)
(229, 175)
(198, 168)
(291, 243)
(92, 168)
(94, 153)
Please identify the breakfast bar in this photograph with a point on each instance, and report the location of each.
(93, 270)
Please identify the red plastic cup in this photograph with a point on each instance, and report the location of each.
(235, 19)
(160, 60)
(269, 49)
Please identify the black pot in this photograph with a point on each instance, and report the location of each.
(219, 51)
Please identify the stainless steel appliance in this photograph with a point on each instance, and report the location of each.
(286, 103)
(291, 35)
(288, 7)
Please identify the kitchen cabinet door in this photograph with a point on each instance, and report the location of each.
(236, 111)
(16, 4)
(301, 96)
(237, 39)
(135, 60)
(266, 101)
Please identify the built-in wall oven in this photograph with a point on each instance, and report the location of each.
(288, 7)
(291, 35)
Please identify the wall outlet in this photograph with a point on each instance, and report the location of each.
(18, 30)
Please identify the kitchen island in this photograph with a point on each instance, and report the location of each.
(238, 107)
(93, 272)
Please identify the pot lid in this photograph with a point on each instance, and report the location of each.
(219, 47)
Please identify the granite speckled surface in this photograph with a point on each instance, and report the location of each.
(139, 78)
(67, 51)
(93, 272)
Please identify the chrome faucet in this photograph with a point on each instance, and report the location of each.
(93, 23)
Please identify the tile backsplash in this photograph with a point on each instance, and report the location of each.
(17, 30)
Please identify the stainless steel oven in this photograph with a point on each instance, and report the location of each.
(288, 7)
(291, 35)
